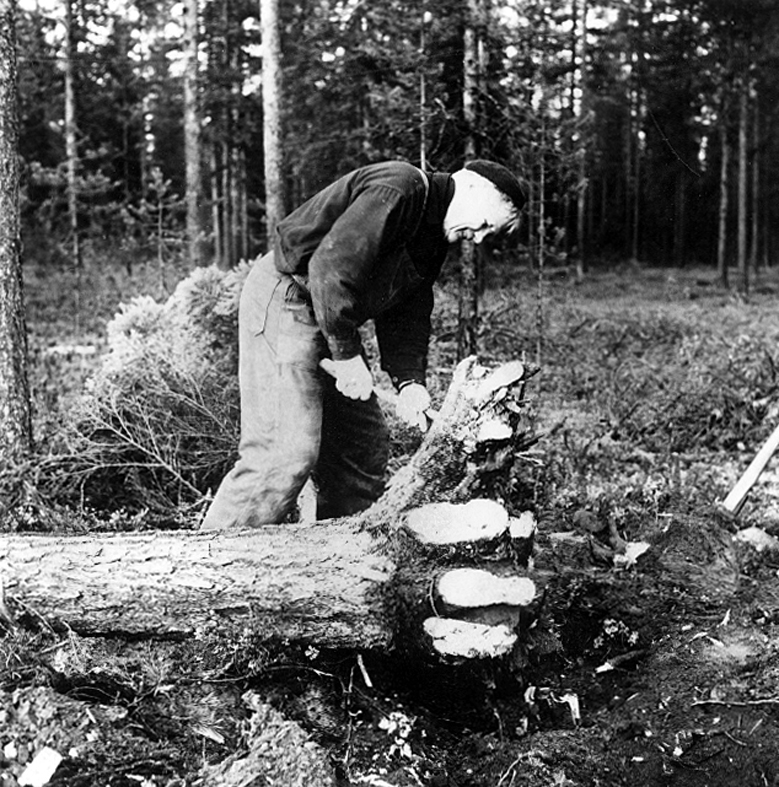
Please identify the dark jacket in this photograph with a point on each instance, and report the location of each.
(370, 246)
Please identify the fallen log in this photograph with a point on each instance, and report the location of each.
(377, 580)
(300, 581)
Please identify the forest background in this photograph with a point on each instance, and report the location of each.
(642, 127)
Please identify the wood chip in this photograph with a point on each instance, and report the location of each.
(523, 526)
(39, 772)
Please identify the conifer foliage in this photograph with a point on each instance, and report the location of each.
(158, 426)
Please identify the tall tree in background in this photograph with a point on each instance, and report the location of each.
(271, 96)
(15, 424)
(192, 152)
(743, 165)
(424, 18)
(754, 248)
(474, 67)
(579, 40)
(722, 223)
(71, 140)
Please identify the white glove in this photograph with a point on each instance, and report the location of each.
(352, 377)
(413, 403)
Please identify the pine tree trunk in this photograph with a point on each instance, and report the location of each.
(680, 220)
(754, 248)
(15, 425)
(192, 152)
(636, 129)
(579, 56)
(468, 305)
(71, 150)
(216, 205)
(271, 100)
(300, 582)
(228, 238)
(471, 79)
(722, 230)
(541, 247)
(423, 87)
(743, 164)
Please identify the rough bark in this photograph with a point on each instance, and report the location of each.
(303, 582)
(271, 98)
(15, 426)
(367, 581)
(192, 147)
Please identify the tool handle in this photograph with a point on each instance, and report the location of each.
(382, 395)
(388, 397)
(738, 494)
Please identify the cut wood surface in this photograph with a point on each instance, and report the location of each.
(463, 639)
(476, 587)
(450, 523)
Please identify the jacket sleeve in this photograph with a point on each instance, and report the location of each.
(340, 267)
(403, 334)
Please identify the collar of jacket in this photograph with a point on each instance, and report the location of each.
(441, 193)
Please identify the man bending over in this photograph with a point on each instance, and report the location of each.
(369, 246)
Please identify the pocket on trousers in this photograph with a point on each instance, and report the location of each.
(298, 303)
(300, 341)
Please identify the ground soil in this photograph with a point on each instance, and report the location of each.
(659, 670)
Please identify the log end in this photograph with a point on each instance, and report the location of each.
(505, 375)
(463, 639)
(475, 587)
(458, 523)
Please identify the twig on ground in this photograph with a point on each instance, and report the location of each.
(737, 703)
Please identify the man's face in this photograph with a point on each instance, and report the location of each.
(477, 211)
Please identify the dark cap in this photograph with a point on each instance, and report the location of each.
(504, 180)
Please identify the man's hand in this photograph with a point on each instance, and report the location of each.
(352, 377)
(413, 403)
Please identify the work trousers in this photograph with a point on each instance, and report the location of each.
(294, 423)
